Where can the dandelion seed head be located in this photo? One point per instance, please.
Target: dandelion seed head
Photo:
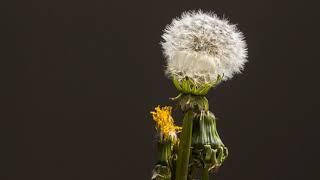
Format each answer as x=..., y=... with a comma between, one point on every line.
x=202, y=46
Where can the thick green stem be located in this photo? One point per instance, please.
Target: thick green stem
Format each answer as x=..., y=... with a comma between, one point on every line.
x=184, y=147
x=205, y=174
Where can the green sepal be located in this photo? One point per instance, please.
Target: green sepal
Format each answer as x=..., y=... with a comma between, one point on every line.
x=208, y=149
x=189, y=86
x=167, y=156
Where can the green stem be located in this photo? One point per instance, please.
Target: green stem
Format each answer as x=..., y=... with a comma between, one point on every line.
x=205, y=174
x=164, y=147
x=184, y=147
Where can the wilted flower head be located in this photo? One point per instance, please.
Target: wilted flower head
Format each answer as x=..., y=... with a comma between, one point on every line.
x=165, y=123
x=201, y=46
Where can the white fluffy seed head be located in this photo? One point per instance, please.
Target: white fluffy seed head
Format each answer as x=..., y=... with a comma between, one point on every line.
x=202, y=46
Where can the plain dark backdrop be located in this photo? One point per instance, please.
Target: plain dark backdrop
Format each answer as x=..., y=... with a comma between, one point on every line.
x=78, y=79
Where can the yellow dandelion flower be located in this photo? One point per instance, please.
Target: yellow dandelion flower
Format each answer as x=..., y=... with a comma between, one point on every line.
x=165, y=123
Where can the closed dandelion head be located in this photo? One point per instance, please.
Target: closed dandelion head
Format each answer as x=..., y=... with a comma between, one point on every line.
x=165, y=123
x=202, y=47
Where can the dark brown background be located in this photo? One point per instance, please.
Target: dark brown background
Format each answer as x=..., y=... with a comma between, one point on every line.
x=78, y=79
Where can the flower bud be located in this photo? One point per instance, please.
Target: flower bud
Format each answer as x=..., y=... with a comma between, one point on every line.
x=208, y=149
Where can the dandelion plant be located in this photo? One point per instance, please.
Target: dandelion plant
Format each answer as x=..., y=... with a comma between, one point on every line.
x=201, y=51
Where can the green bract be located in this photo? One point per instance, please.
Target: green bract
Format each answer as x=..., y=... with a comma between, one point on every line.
x=166, y=160
x=188, y=86
x=208, y=151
